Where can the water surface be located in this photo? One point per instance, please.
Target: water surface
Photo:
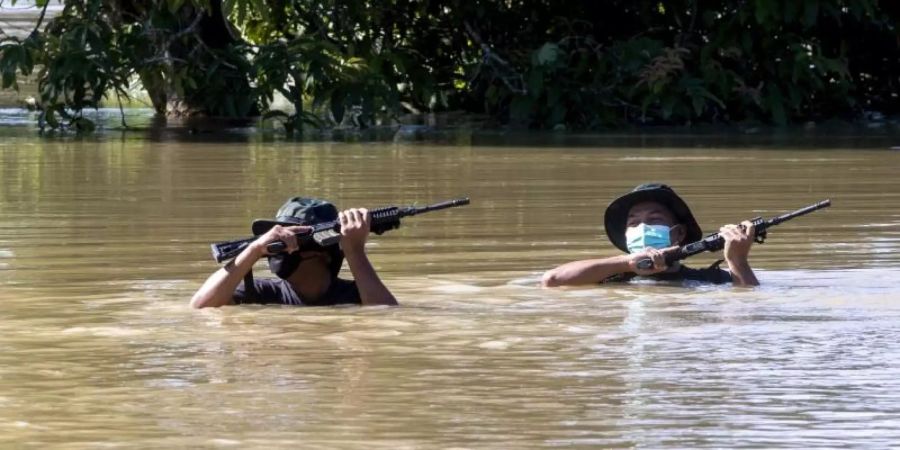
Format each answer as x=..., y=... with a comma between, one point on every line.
x=104, y=240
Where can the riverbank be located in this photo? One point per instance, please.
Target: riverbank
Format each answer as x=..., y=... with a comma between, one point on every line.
x=457, y=129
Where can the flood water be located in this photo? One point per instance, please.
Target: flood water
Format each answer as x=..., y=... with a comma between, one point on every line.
x=104, y=240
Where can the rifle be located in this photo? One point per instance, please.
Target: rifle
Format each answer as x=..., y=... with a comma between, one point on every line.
x=714, y=242
x=329, y=233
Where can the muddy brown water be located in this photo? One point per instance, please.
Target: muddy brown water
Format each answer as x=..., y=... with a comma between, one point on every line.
x=103, y=241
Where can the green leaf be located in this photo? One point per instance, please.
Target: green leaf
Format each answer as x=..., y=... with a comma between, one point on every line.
x=61, y=110
x=698, y=104
x=764, y=9
x=810, y=12
x=337, y=105
x=275, y=114
x=50, y=117
x=244, y=105
x=492, y=95
x=9, y=78
x=261, y=8
x=710, y=96
x=520, y=108
x=535, y=83
x=747, y=42
x=227, y=7
x=668, y=105
x=775, y=102
x=548, y=54
x=178, y=85
x=557, y=116
x=27, y=63
x=10, y=59
x=230, y=107
x=553, y=96
x=310, y=119
x=645, y=103
x=83, y=125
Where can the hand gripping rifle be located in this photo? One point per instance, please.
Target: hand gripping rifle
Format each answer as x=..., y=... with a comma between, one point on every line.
x=715, y=242
x=329, y=233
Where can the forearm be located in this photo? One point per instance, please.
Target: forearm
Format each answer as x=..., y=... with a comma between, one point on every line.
x=219, y=288
x=742, y=274
x=371, y=290
x=590, y=271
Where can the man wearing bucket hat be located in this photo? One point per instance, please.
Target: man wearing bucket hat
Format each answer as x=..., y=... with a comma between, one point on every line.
x=646, y=223
x=308, y=275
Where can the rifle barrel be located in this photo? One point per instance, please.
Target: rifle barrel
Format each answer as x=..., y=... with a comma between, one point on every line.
x=800, y=212
x=713, y=242
x=443, y=205
x=223, y=251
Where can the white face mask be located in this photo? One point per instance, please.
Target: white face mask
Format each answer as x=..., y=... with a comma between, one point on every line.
x=642, y=236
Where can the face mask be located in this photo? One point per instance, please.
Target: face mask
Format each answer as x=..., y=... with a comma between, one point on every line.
x=283, y=265
x=644, y=236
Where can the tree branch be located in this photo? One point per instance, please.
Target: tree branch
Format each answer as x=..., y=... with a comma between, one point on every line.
x=37, y=26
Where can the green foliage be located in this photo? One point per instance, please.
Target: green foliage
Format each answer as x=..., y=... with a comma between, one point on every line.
x=79, y=63
x=96, y=49
x=555, y=65
x=691, y=60
x=328, y=57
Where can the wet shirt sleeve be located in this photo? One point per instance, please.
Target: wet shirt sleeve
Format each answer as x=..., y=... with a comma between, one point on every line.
x=279, y=292
x=341, y=292
x=268, y=291
x=713, y=275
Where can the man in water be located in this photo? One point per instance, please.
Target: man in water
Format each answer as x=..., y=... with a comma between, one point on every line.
x=308, y=275
x=648, y=222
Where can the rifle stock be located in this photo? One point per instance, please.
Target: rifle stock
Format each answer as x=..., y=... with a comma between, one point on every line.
x=715, y=242
x=329, y=233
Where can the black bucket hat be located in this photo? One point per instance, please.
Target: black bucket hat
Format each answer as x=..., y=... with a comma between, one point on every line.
x=298, y=211
x=616, y=217
x=303, y=211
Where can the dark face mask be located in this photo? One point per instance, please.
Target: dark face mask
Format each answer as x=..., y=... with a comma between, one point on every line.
x=283, y=265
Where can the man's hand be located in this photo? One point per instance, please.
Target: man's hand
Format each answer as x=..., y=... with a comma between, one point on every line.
x=658, y=256
x=738, y=240
x=288, y=235
x=355, y=226
x=219, y=288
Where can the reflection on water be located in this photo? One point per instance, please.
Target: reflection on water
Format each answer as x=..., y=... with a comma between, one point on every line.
x=103, y=241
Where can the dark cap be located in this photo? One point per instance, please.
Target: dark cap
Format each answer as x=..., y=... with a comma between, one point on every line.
x=616, y=218
x=298, y=211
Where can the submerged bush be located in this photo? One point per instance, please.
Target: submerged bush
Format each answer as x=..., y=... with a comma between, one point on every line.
x=562, y=64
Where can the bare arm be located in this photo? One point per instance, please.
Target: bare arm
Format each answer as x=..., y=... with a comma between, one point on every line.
x=218, y=290
x=355, y=225
x=371, y=290
x=592, y=271
x=588, y=271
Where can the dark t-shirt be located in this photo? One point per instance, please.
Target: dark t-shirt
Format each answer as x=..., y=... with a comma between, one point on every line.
x=712, y=274
x=278, y=291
